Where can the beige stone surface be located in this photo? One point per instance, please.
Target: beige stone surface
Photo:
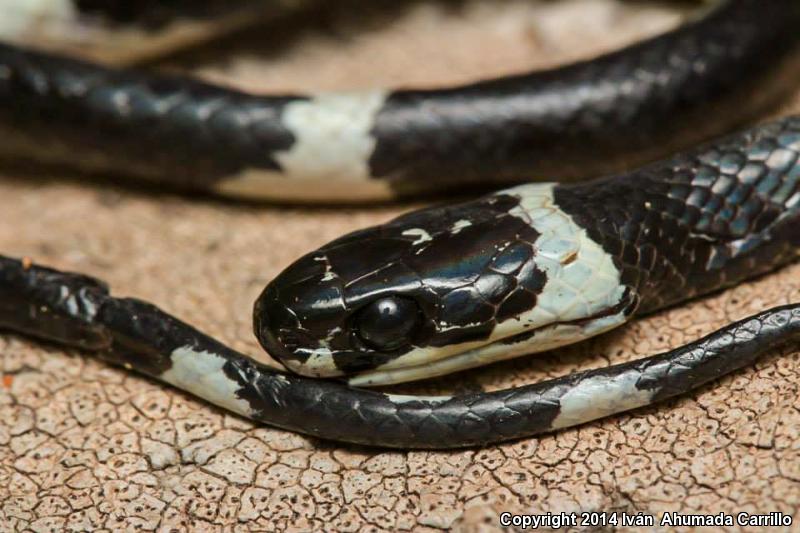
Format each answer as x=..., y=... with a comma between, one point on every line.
x=87, y=446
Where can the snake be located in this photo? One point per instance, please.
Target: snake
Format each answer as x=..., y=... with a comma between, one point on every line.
x=528, y=268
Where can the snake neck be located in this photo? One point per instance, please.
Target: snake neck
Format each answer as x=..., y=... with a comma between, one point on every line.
x=702, y=221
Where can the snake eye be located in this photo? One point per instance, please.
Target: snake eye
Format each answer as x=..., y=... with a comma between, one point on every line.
x=386, y=323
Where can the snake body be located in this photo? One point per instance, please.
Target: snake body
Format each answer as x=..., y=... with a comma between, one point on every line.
x=584, y=119
x=522, y=270
x=701, y=221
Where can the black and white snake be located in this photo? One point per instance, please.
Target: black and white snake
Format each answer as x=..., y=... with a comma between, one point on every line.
x=522, y=270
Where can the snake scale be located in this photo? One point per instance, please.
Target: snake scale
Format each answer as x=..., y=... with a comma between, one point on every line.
x=526, y=269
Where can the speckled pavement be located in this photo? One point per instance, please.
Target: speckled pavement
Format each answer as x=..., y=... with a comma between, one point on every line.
x=84, y=446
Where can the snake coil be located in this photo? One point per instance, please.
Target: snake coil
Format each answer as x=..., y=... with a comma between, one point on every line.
x=522, y=270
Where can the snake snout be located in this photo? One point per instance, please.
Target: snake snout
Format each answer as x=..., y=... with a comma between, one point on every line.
x=304, y=320
x=280, y=322
x=268, y=320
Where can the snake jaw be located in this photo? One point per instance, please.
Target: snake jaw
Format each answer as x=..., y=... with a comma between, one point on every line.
x=533, y=341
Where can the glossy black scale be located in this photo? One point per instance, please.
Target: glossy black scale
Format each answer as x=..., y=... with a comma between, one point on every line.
x=705, y=220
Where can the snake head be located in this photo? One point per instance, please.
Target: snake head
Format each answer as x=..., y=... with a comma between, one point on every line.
x=441, y=289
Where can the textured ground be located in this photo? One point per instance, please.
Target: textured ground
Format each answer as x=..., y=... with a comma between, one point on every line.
x=86, y=446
